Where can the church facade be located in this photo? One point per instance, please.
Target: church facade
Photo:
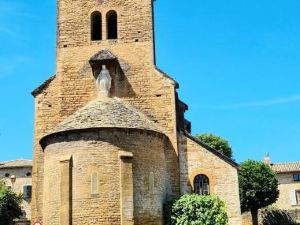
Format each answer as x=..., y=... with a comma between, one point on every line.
x=111, y=142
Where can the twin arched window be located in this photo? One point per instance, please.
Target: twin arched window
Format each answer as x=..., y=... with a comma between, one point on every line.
x=96, y=26
x=111, y=25
x=201, y=185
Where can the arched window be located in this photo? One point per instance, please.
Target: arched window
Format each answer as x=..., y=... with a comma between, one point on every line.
x=96, y=26
x=201, y=185
x=112, y=25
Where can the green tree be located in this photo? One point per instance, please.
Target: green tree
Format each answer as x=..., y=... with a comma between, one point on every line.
x=258, y=187
x=217, y=143
x=198, y=210
x=9, y=205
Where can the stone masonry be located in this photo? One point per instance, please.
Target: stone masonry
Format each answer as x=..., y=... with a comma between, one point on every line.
x=115, y=160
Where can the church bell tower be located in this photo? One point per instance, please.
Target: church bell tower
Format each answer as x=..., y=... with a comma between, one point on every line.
x=105, y=24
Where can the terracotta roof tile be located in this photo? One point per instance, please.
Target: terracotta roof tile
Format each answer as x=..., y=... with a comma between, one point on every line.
x=286, y=167
x=16, y=163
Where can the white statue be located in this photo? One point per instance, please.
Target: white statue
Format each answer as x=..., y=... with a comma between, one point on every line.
x=103, y=82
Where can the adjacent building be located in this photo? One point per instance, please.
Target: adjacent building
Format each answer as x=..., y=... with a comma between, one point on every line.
x=17, y=176
x=112, y=144
x=288, y=175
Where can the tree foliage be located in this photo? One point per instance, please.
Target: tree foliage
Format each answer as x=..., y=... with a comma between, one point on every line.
x=272, y=216
x=9, y=205
x=258, y=187
x=217, y=143
x=198, y=210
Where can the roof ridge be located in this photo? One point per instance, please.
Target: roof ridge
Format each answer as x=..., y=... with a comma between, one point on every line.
x=15, y=160
x=282, y=163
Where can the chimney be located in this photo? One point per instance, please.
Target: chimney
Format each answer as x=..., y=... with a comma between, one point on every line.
x=267, y=159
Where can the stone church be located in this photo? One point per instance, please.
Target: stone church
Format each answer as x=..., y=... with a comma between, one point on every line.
x=111, y=142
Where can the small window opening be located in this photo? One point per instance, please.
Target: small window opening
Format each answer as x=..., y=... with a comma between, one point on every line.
x=112, y=25
x=94, y=184
x=151, y=182
x=96, y=26
x=296, y=177
x=27, y=191
x=7, y=175
x=28, y=174
x=201, y=185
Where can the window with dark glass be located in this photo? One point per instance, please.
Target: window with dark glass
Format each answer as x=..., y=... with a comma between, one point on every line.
x=112, y=25
x=96, y=26
x=201, y=185
x=296, y=177
x=27, y=191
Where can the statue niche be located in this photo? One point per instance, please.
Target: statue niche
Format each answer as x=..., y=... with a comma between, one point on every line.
x=106, y=67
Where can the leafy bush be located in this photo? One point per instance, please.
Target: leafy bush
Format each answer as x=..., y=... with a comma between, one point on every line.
x=9, y=205
x=197, y=210
x=276, y=217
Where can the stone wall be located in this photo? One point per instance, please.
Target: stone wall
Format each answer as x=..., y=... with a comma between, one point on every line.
x=286, y=185
x=73, y=87
x=223, y=178
x=23, y=177
x=99, y=152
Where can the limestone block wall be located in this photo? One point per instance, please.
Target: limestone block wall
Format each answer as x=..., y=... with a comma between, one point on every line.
x=23, y=177
x=286, y=186
x=47, y=104
x=99, y=152
x=223, y=178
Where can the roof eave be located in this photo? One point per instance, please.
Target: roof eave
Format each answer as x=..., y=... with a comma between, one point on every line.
x=43, y=86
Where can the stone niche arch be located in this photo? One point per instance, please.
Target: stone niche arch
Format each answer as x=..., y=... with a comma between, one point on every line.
x=120, y=86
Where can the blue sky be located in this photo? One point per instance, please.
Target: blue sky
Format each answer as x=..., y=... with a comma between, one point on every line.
x=237, y=62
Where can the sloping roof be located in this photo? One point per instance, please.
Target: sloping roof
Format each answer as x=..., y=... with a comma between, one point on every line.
x=215, y=152
x=16, y=164
x=44, y=85
x=286, y=167
x=106, y=113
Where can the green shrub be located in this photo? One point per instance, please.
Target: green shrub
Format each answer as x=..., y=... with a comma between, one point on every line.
x=9, y=205
x=197, y=210
x=276, y=217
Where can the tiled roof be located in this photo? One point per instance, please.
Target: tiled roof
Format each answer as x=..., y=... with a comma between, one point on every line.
x=16, y=163
x=106, y=113
x=286, y=167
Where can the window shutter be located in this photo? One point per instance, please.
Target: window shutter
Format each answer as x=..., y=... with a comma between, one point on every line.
x=293, y=198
